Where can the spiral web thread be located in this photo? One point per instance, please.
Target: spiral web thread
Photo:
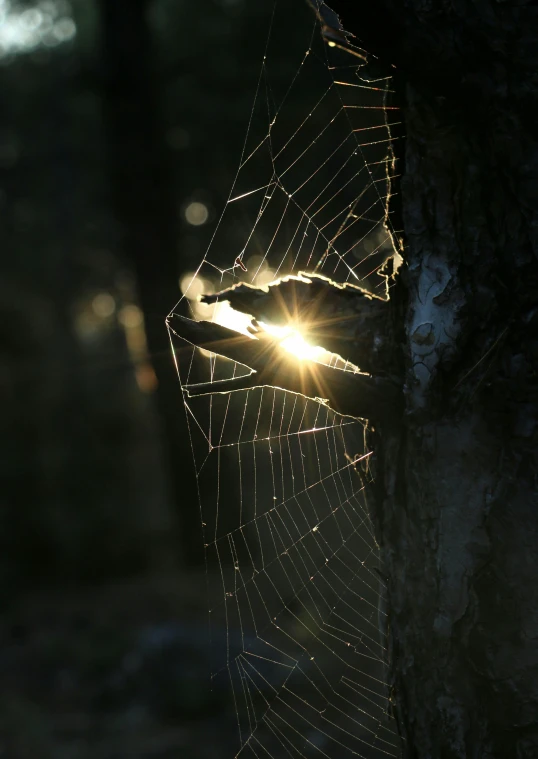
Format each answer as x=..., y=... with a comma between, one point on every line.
x=295, y=584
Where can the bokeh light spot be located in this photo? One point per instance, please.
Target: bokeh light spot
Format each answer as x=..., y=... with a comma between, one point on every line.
x=192, y=286
x=264, y=277
x=130, y=317
x=103, y=305
x=196, y=214
x=64, y=29
x=23, y=30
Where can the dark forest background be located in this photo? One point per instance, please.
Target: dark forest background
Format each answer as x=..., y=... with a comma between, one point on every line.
x=121, y=123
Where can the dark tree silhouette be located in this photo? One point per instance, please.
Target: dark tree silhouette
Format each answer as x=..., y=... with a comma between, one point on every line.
x=457, y=501
x=144, y=206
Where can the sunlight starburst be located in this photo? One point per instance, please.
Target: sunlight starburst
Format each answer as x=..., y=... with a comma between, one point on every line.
x=292, y=341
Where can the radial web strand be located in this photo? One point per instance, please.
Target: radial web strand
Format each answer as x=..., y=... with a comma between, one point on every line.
x=296, y=590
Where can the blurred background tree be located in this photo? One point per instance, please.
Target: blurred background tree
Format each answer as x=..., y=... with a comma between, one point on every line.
x=113, y=169
x=120, y=128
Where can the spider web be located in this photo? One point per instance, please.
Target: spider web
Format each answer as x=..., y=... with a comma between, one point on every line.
x=297, y=614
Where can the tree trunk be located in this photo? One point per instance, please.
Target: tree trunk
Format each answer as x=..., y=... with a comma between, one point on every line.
x=143, y=201
x=457, y=504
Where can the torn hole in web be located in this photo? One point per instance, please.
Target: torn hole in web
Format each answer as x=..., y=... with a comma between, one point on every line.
x=307, y=314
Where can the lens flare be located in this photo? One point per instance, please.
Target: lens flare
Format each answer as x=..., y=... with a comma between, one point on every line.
x=289, y=337
x=292, y=341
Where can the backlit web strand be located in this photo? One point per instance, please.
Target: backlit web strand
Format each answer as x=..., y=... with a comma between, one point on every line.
x=295, y=591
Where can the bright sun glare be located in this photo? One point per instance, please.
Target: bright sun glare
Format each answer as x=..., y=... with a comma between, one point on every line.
x=222, y=313
x=294, y=342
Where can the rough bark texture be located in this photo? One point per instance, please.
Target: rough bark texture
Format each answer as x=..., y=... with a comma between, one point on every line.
x=457, y=505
